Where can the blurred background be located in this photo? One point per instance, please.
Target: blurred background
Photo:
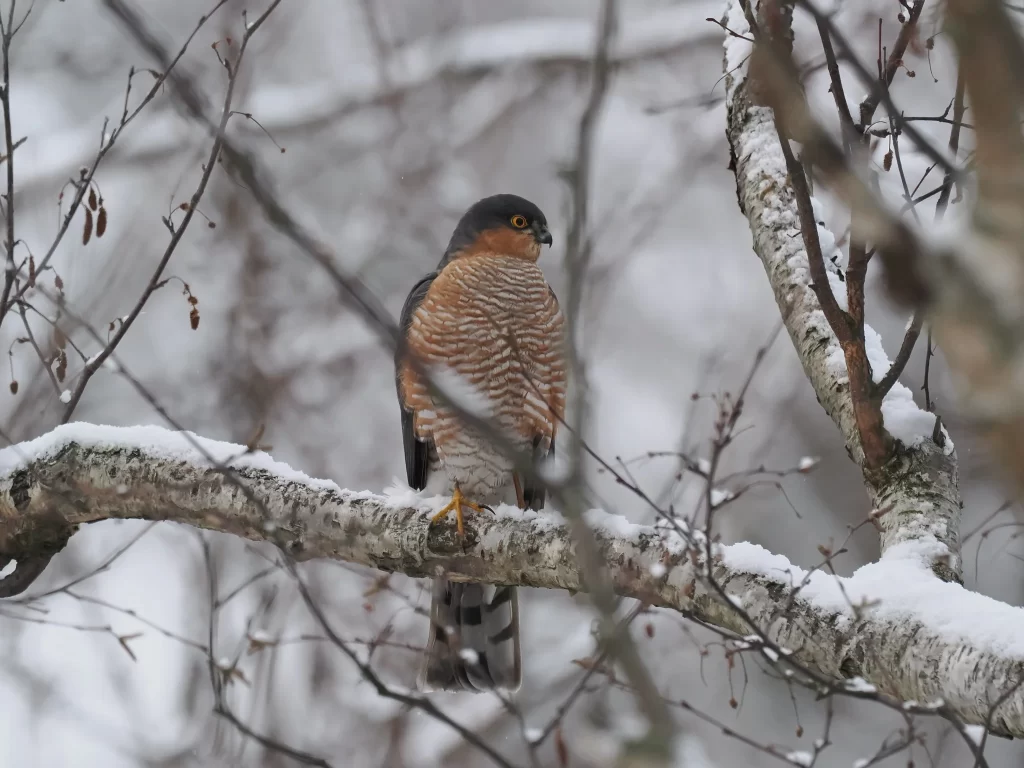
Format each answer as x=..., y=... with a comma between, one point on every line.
x=386, y=120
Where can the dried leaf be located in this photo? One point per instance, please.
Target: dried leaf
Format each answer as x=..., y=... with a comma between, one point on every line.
x=101, y=222
x=92, y=199
x=58, y=283
x=87, y=232
x=257, y=644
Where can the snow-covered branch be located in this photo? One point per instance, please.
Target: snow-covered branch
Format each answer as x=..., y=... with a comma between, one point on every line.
x=915, y=492
x=926, y=642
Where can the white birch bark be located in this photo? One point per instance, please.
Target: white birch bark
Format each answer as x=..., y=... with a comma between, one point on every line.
x=917, y=488
x=907, y=651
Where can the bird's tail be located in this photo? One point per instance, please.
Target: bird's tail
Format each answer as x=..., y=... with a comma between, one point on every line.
x=474, y=638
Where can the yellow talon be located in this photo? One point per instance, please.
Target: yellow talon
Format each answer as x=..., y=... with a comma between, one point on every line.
x=457, y=503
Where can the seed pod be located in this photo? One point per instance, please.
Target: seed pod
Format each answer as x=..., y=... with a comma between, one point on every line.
x=92, y=198
x=87, y=232
x=101, y=222
x=14, y=387
x=62, y=365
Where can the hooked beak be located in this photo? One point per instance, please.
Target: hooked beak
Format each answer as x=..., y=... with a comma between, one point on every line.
x=542, y=234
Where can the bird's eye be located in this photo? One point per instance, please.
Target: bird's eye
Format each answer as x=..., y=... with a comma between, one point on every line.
x=518, y=221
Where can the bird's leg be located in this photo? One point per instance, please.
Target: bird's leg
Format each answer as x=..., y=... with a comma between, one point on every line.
x=457, y=503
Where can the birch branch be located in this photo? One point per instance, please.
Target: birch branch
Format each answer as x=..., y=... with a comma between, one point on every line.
x=915, y=493
x=906, y=634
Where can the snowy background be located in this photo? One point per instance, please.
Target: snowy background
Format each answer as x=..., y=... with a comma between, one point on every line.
x=395, y=117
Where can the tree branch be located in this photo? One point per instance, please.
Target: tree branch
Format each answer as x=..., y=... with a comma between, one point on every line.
x=915, y=492
x=907, y=634
x=892, y=64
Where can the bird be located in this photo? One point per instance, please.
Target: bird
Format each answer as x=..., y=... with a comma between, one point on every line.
x=486, y=321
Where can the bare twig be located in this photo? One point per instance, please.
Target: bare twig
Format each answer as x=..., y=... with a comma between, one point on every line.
x=892, y=64
x=902, y=357
x=6, y=34
x=178, y=232
x=107, y=143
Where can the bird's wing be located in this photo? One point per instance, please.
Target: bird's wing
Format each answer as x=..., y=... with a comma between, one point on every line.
x=417, y=452
x=554, y=385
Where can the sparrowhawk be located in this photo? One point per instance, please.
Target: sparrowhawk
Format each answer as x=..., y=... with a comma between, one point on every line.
x=487, y=319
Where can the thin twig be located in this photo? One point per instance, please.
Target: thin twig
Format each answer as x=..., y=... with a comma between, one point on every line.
x=6, y=33
x=879, y=90
x=902, y=357
x=892, y=64
x=155, y=282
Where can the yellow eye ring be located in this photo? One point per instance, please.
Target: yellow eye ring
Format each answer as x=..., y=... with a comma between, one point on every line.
x=518, y=221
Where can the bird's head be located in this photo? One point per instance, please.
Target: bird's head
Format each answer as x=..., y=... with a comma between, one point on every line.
x=500, y=224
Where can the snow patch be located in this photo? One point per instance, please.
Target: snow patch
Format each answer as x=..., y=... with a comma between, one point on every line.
x=859, y=685
x=899, y=588
x=737, y=49
x=719, y=496
x=156, y=441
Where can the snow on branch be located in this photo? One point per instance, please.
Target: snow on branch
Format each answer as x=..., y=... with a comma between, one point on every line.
x=915, y=493
x=891, y=628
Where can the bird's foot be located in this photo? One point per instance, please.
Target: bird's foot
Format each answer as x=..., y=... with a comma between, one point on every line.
x=458, y=503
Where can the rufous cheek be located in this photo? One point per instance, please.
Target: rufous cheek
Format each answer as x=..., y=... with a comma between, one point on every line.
x=504, y=242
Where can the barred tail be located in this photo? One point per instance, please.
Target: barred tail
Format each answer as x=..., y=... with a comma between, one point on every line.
x=474, y=638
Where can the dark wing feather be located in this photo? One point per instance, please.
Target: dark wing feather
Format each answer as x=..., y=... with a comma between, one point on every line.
x=534, y=493
x=417, y=452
